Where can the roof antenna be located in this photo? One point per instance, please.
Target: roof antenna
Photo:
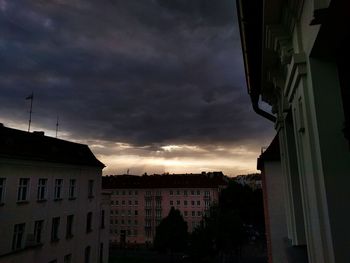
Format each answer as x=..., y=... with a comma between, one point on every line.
x=30, y=97
x=57, y=126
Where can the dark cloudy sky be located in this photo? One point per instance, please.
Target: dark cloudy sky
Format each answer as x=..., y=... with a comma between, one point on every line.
x=150, y=85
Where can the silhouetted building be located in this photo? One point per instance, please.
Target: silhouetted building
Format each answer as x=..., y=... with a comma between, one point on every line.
x=51, y=206
x=138, y=203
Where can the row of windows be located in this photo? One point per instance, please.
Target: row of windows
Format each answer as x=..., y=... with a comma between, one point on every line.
x=128, y=232
x=23, y=189
x=185, y=202
x=159, y=193
x=123, y=202
x=19, y=230
x=125, y=192
x=124, y=222
x=123, y=212
x=187, y=192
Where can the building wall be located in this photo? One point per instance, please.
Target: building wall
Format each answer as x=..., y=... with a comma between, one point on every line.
x=275, y=217
x=152, y=205
x=310, y=91
x=13, y=212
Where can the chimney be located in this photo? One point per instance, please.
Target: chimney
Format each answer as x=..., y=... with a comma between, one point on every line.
x=41, y=133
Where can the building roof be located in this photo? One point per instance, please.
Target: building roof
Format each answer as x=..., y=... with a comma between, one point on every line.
x=204, y=180
x=35, y=146
x=272, y=153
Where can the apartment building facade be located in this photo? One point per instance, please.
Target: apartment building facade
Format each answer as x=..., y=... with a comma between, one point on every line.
x=296, y=56
x=51, y=206
x=139, y=203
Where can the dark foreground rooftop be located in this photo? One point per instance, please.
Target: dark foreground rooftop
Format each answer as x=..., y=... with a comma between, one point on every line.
x=35, y=146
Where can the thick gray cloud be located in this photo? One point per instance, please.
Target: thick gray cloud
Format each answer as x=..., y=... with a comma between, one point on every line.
x=147, y=73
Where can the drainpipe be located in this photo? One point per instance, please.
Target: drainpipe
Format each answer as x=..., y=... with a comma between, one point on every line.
x=255, y=102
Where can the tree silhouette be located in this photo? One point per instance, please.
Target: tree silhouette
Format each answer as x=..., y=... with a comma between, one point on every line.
x=171, y=234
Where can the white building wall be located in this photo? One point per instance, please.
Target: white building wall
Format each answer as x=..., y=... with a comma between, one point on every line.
x=12, y=212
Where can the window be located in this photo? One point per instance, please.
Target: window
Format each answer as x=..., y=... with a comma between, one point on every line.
x=103, y=218
x=89, y=222
x=207, y=193
x=116, y=221
x=87, y=254
x=198, y=192
x=116, y=212
x=69, y=226
x=192, y=192
x=135, y=222
x=101, y=252
x=148, y=203
x=72, y=186
x=91, y=188
x=171, y=192
x=112, y=202
x=116, y=192
x=128, y=232
x=148, y=212
x=192, y=203
x=136, y=192
x=193, y=213
x=136, y=212
x=67, y=258
x=130, y=192
x=178, y=192
x=129, y=222
x=136, y=202
x=22, y=194
x=148, y=193
x=130, y=202
x=116, y=202
x=41, y=194
x=18, y=233
x=38, y=227
x=185, y=202
x=178, y=202
x=135, y=232
x=158, y=203
x=129, y=212
x=185, y=213
x=198, y=203
x=58, y=189
x=206, y=204
x=158, y=213
x=148, y=223
x=2, y=189
x=123, y=192
x=123, y=202
x=54, y=229
x=199, y=213
x=185, y=192
x=171, y=202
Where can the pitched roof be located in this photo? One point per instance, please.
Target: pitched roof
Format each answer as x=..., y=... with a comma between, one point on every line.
x=272, y=153
x=204, y=180
x=34, y=146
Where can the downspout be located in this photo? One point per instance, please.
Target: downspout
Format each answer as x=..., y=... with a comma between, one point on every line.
x=255, y=103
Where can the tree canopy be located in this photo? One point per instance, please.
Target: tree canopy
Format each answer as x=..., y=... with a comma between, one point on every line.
x=171, y=234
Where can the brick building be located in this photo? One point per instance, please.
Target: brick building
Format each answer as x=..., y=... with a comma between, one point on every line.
x=138, y=203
